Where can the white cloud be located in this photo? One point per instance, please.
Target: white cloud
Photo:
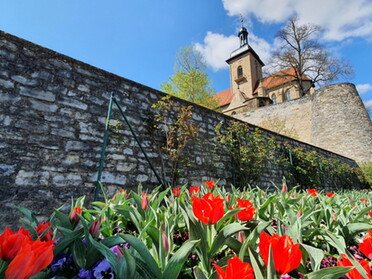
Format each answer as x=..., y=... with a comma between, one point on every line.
x=363, y=88
x=340, y=19
x=216, y=48
x=368, y=105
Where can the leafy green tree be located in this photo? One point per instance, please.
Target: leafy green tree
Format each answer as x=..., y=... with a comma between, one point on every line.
x=190, y=81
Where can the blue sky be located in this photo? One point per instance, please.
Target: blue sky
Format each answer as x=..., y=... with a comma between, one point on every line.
x=139, y=39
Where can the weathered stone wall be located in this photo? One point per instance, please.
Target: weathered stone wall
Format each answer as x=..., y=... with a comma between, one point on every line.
x=294, y=115
x=333, y=118
x=53, y=112
x=340, y=122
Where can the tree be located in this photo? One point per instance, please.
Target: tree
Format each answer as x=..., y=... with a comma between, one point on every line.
x=300, y=50
x=190, y=81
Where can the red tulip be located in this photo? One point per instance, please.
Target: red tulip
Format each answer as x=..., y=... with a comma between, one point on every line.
x=287, y=255
x=208, y=209
x=32, y=258
x=366, y=246
x=176, y=192
x=209, y=183
x=284, y=188
x=330, y=195
x=236, y=269
x=354, y=273
x=370, y=213
x=364, y=200
x=312, y=192
x=194, y=190
x=248, y=212
x=41, y=228
x=95, y=228
x=11, y=243
x=74, y=214
x=144, y=201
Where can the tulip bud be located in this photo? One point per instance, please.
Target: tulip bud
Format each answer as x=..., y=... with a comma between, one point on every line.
x=299, y=213
x=284, y=188
x=74, y=214
x=144, y=202
x=165, y=242
x=95, y=228
x=176, y=192
x=241, y=237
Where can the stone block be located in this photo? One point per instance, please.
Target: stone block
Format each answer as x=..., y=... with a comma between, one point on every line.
x=37, y=94
x=25, y=81
x=74, y=104
x=40, y=106
x=6, y=84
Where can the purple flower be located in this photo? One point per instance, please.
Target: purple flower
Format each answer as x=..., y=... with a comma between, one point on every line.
x=103, y=270
x=85, y=274
x=60, y=261
x=285, y=276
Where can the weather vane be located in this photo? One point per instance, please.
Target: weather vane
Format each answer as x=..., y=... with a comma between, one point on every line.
x=241, y=19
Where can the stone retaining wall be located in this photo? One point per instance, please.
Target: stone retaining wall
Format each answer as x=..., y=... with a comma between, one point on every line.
x=53, y=112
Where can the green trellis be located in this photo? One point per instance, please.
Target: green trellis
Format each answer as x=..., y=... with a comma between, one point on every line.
x=113, y=101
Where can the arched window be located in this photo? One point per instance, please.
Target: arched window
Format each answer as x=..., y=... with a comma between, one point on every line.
x=287, y=95
x=273, y=98
x=240, y=72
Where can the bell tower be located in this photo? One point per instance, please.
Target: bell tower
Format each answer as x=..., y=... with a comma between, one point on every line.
x=245, y=67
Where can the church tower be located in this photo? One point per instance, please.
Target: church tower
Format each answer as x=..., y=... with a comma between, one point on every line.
x=245, y=68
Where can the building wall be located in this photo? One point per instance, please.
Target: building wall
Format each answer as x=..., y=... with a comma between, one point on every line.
x=52, y=115
x=333, y=118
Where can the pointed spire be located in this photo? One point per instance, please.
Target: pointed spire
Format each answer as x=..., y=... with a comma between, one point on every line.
x=243, y=33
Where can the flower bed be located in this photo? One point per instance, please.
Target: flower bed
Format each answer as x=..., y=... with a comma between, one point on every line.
x=198, y=232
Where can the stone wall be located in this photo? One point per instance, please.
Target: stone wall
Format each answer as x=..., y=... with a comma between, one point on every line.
x=53, y=113
x=333, y=118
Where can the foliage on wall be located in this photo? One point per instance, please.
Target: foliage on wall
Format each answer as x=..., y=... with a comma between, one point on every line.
x=178, y=132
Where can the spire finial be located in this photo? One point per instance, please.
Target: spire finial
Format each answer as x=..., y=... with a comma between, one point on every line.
x=241, y=19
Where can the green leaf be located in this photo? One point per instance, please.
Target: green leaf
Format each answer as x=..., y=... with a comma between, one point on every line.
x=64, y=220
x=229, y=214
x=199, y=274
x=352, y=229
x=138, y=245
x=79, y=252
x=29, y=215
x=176, y=262
x=271, y=272
x=316, y=255
x=257, y=267
x=329, y=273
x=42, y=275
x=226, y=232
x=130, y=264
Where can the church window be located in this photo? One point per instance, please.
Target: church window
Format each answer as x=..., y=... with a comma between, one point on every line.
x=288, y=95
x=273, y=98
x=240, y=72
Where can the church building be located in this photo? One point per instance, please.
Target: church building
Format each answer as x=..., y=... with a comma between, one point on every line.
x=248, y=89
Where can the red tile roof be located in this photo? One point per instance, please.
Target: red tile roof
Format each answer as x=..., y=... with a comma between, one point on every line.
x=224, y=97
x=281, y=78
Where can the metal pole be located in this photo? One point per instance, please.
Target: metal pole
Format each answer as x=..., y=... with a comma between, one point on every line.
x=137, y=140
x=103, y=147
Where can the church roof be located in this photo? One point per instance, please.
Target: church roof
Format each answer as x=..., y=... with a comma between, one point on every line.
x=280, y=78
x=224, y=97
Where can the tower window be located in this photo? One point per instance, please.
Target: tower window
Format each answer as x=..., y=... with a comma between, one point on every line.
x=240, y=72
x=273, y=98
x=287, y=95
